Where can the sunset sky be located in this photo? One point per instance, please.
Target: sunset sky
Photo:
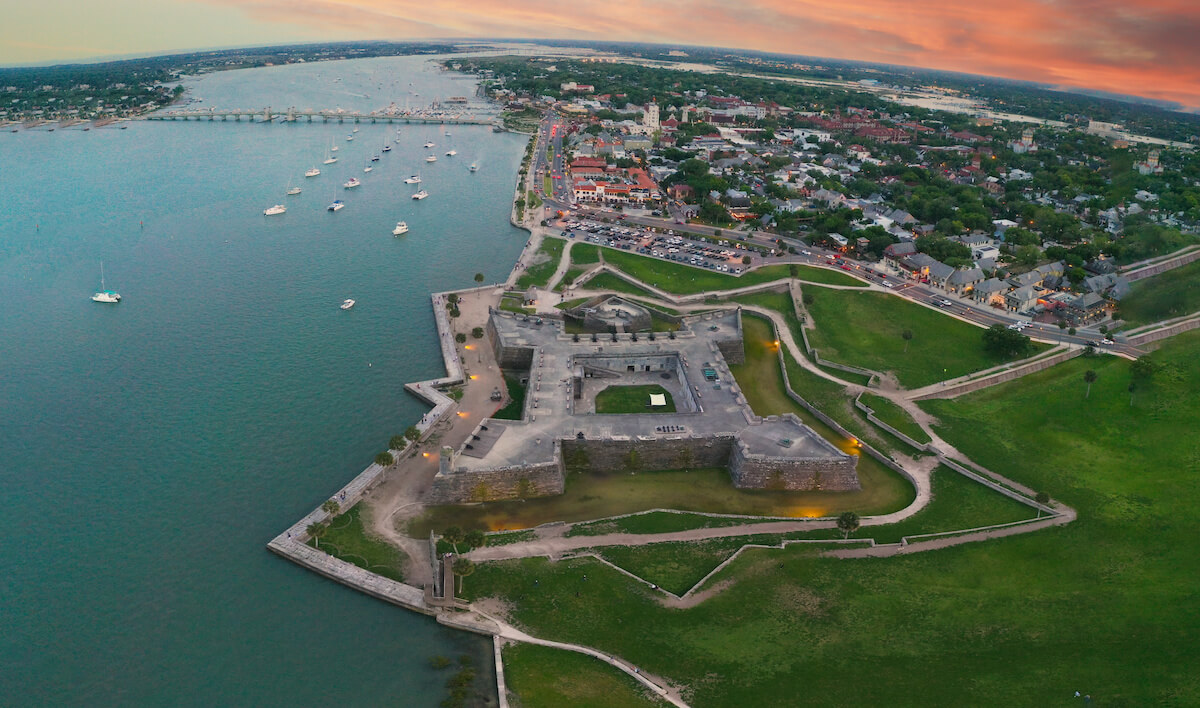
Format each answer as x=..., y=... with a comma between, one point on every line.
x=1147, y=48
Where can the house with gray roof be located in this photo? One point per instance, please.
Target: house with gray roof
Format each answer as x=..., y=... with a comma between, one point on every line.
x=990, y=291
x=961, y=281
x=1021, y=299
x=939, y=274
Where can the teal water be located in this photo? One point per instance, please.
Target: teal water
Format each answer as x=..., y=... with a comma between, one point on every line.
x=149, y=450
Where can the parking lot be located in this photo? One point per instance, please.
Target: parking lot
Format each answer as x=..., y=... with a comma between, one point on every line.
x=696, y=251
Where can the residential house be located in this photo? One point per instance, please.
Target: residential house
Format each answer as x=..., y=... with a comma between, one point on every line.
x=940, y=273
x=1087, y=307
x=1021, y=299
x=895, y=253
x=990, y=292
x=963, y=281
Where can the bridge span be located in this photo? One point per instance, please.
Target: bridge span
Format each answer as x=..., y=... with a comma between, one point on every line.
x=293, y=115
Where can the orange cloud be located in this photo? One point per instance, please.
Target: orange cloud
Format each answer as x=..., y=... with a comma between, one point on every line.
x=1146, y=49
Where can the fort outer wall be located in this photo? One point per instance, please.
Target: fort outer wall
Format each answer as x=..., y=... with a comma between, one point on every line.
x=546, y=479
x=627, y=454
x=824, y=474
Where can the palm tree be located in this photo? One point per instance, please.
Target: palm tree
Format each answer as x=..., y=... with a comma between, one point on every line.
x=848, y=523
x=1089, y=378
x=316, y=531
x=331, y=507
x=475, y=539
x=453, y=536
x=462, y=568
x=906, y=335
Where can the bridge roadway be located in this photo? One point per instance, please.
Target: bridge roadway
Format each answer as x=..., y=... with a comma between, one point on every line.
x=292, y=115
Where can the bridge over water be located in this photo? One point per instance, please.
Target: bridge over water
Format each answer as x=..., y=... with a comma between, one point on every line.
x=293, y=115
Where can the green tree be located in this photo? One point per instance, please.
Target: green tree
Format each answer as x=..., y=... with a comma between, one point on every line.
x=331, y=507
x=847, y=523
x=907, y=336
x=453, y=536
x=397, y=442
x=462, y=568
x=385, y=458
x=460, y=338
x=1089, y=377
x=1142, y=368
x=477, y=332
x=479, y=277
x=315, y=531
x=413, y=433
x=745, y=260
x=1005, y=342
x=475, y=538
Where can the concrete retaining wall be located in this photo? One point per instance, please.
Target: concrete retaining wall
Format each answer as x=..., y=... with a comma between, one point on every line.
x=992, y=380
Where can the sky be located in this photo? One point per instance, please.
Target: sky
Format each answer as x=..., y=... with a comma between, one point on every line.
x=1137, y=47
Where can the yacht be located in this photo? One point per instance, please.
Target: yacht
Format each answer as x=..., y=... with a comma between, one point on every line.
x=349, y=138
x=431, y=158
x=355, y=130
x=451, y=153
x=293, y=191
x=351, y=183
x=374, y=158
x=429, y=145
x=474, y=167
x=420, y=195
x=347, y=304
x=387, y=148
x=272, y=211
x=333, y=148
x=401, y=229
x=312, y=172
x=330, y=160
x=336, y=206
x=105, y=295
x=415, y=179
x=368, y=168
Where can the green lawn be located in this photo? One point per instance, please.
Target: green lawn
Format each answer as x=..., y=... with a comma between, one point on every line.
x=685, y=280
x=652, y=522
x=346, y=539
x=585, y=254
x=544, y=677
x=546, y=262
x=608, y=281
x=864, y=329
x=895, y=416
x=1105, y=605
x=1167, y=295
x=514, y=409
x=617, y=400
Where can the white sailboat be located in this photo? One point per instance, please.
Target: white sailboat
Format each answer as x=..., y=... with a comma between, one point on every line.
x=474, y=167
x=431, y=158
x=347, y=304
x=105, y=295
x=329, y=158
x=351, y=183
x=451, y=152
x=420, y=195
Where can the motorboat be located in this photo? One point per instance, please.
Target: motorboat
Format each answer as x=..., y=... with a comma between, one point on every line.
x=374, y=158
x=428, y=145
x=415, y=179
x=368, y=168
x=387, y=148
x=333, y=148
x=347, y=304
x=349, y=138
x=351, y=183
x=474, y=167
x=336, y=206
x=355, y=130
x=431, y=158
x=451, y=153
x=420, y=195
x=312, y=172
x=272, y=211
x=105, y=295
x=293, y=191
x=401, y=229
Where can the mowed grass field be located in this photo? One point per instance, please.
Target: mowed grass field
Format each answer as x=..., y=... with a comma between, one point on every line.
x=1105, y=605
x=546, y=260
x=1162, y=297
x=865, y=329
x=545, y=677
x=680, y=279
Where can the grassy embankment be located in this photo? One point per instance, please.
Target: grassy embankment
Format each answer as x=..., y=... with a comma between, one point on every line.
x=545, y=262
x=865, y=330
x=1165, y=296
x=1104, y=605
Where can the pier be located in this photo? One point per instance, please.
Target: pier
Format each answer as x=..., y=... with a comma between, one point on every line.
x=294, y=115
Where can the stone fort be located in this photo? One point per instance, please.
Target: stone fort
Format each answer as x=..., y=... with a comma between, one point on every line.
x=712, y=425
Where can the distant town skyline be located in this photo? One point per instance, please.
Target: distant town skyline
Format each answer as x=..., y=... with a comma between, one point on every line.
x=1144, y=49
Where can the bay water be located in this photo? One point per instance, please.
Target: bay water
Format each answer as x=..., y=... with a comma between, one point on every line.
x=150, y=449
